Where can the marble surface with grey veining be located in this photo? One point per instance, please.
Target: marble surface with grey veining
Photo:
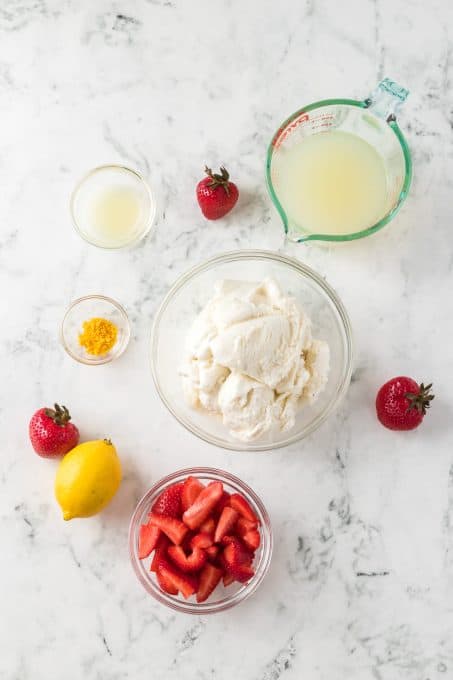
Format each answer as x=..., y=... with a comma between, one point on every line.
x=360, y=586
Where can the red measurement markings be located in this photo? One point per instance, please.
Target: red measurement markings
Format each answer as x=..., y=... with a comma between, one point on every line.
x=283, y=132
x=323, y=120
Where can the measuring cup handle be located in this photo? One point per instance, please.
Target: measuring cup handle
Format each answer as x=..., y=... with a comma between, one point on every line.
x=387, y=99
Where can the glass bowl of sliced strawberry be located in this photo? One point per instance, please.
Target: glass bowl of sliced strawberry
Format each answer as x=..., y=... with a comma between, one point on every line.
x=200, y=541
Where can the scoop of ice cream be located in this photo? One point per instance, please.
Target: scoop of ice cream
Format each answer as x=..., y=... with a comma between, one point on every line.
x=263, y=348
x=247, y=406
x=317, y=359
x=251, y=358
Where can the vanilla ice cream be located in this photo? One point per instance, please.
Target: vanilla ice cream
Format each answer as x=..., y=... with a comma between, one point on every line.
x=251, y=358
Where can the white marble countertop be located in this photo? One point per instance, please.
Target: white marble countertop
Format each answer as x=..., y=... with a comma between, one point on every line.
x=361, y=579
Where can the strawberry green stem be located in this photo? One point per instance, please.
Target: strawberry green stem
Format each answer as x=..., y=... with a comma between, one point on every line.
x=59, y=414
x=219, y=180
x=422, y=400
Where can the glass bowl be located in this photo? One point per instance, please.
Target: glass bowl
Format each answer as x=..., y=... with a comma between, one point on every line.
x=186, y=299
x=222, y=598
x=86, y=308
x=115, y=178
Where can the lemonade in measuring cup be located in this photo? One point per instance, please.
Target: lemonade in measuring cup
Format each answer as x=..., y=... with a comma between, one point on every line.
x=338, y=170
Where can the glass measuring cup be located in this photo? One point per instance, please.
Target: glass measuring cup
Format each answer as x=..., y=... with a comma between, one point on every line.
x=374, y=121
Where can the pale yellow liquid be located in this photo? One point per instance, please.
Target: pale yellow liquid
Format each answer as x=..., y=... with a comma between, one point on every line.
x=331, y=183
x=116, y=215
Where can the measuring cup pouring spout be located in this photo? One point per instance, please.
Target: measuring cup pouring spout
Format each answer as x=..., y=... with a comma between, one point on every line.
x=386, y=100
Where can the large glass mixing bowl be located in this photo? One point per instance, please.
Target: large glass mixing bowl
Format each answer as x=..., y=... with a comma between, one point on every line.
x=192, y=291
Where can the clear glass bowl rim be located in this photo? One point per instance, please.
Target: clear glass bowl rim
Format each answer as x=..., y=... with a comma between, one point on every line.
x=122, y=347
x=192, y=607
x=363, y=104
x=303, y=269
x=139, y=176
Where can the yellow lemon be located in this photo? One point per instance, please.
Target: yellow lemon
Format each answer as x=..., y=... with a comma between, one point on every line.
x=87, y=479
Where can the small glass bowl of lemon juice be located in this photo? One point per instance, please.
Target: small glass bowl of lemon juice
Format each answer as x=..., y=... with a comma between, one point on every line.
x=113, y=207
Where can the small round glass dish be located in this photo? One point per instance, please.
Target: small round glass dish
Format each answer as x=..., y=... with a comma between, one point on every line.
x=192, y=291
x=223, y=597
x=113, y=207
x=84, y=309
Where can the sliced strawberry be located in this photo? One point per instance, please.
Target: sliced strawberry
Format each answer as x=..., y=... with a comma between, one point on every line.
x=160, y=554
x=208, y=527
x=252, y=554
x=212, y=552
x=252, y=539
x=165, y=583
x=243, y=573
x=187, y=540
x=187, y=563
x=226, y=540
x=226, y=522
x=243, y=507
x=191, y=489
x=236, y=559
x=168, y=503
x=147, y=540
x=173, y=528
x=224, y=500
x=243, y=525
x=161, y=560
x=201, y=541
x=186, y=584
x=209, y=578
x=227, y=579
x=244, y=554
x=201, y=509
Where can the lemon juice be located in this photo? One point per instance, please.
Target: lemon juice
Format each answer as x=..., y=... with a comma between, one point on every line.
x=115, y=214
x=113, y=206
x=333, y=183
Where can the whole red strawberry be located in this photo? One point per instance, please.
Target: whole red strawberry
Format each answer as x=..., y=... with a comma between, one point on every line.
x=51, y=433
x=401, y=403
x=216, y=195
